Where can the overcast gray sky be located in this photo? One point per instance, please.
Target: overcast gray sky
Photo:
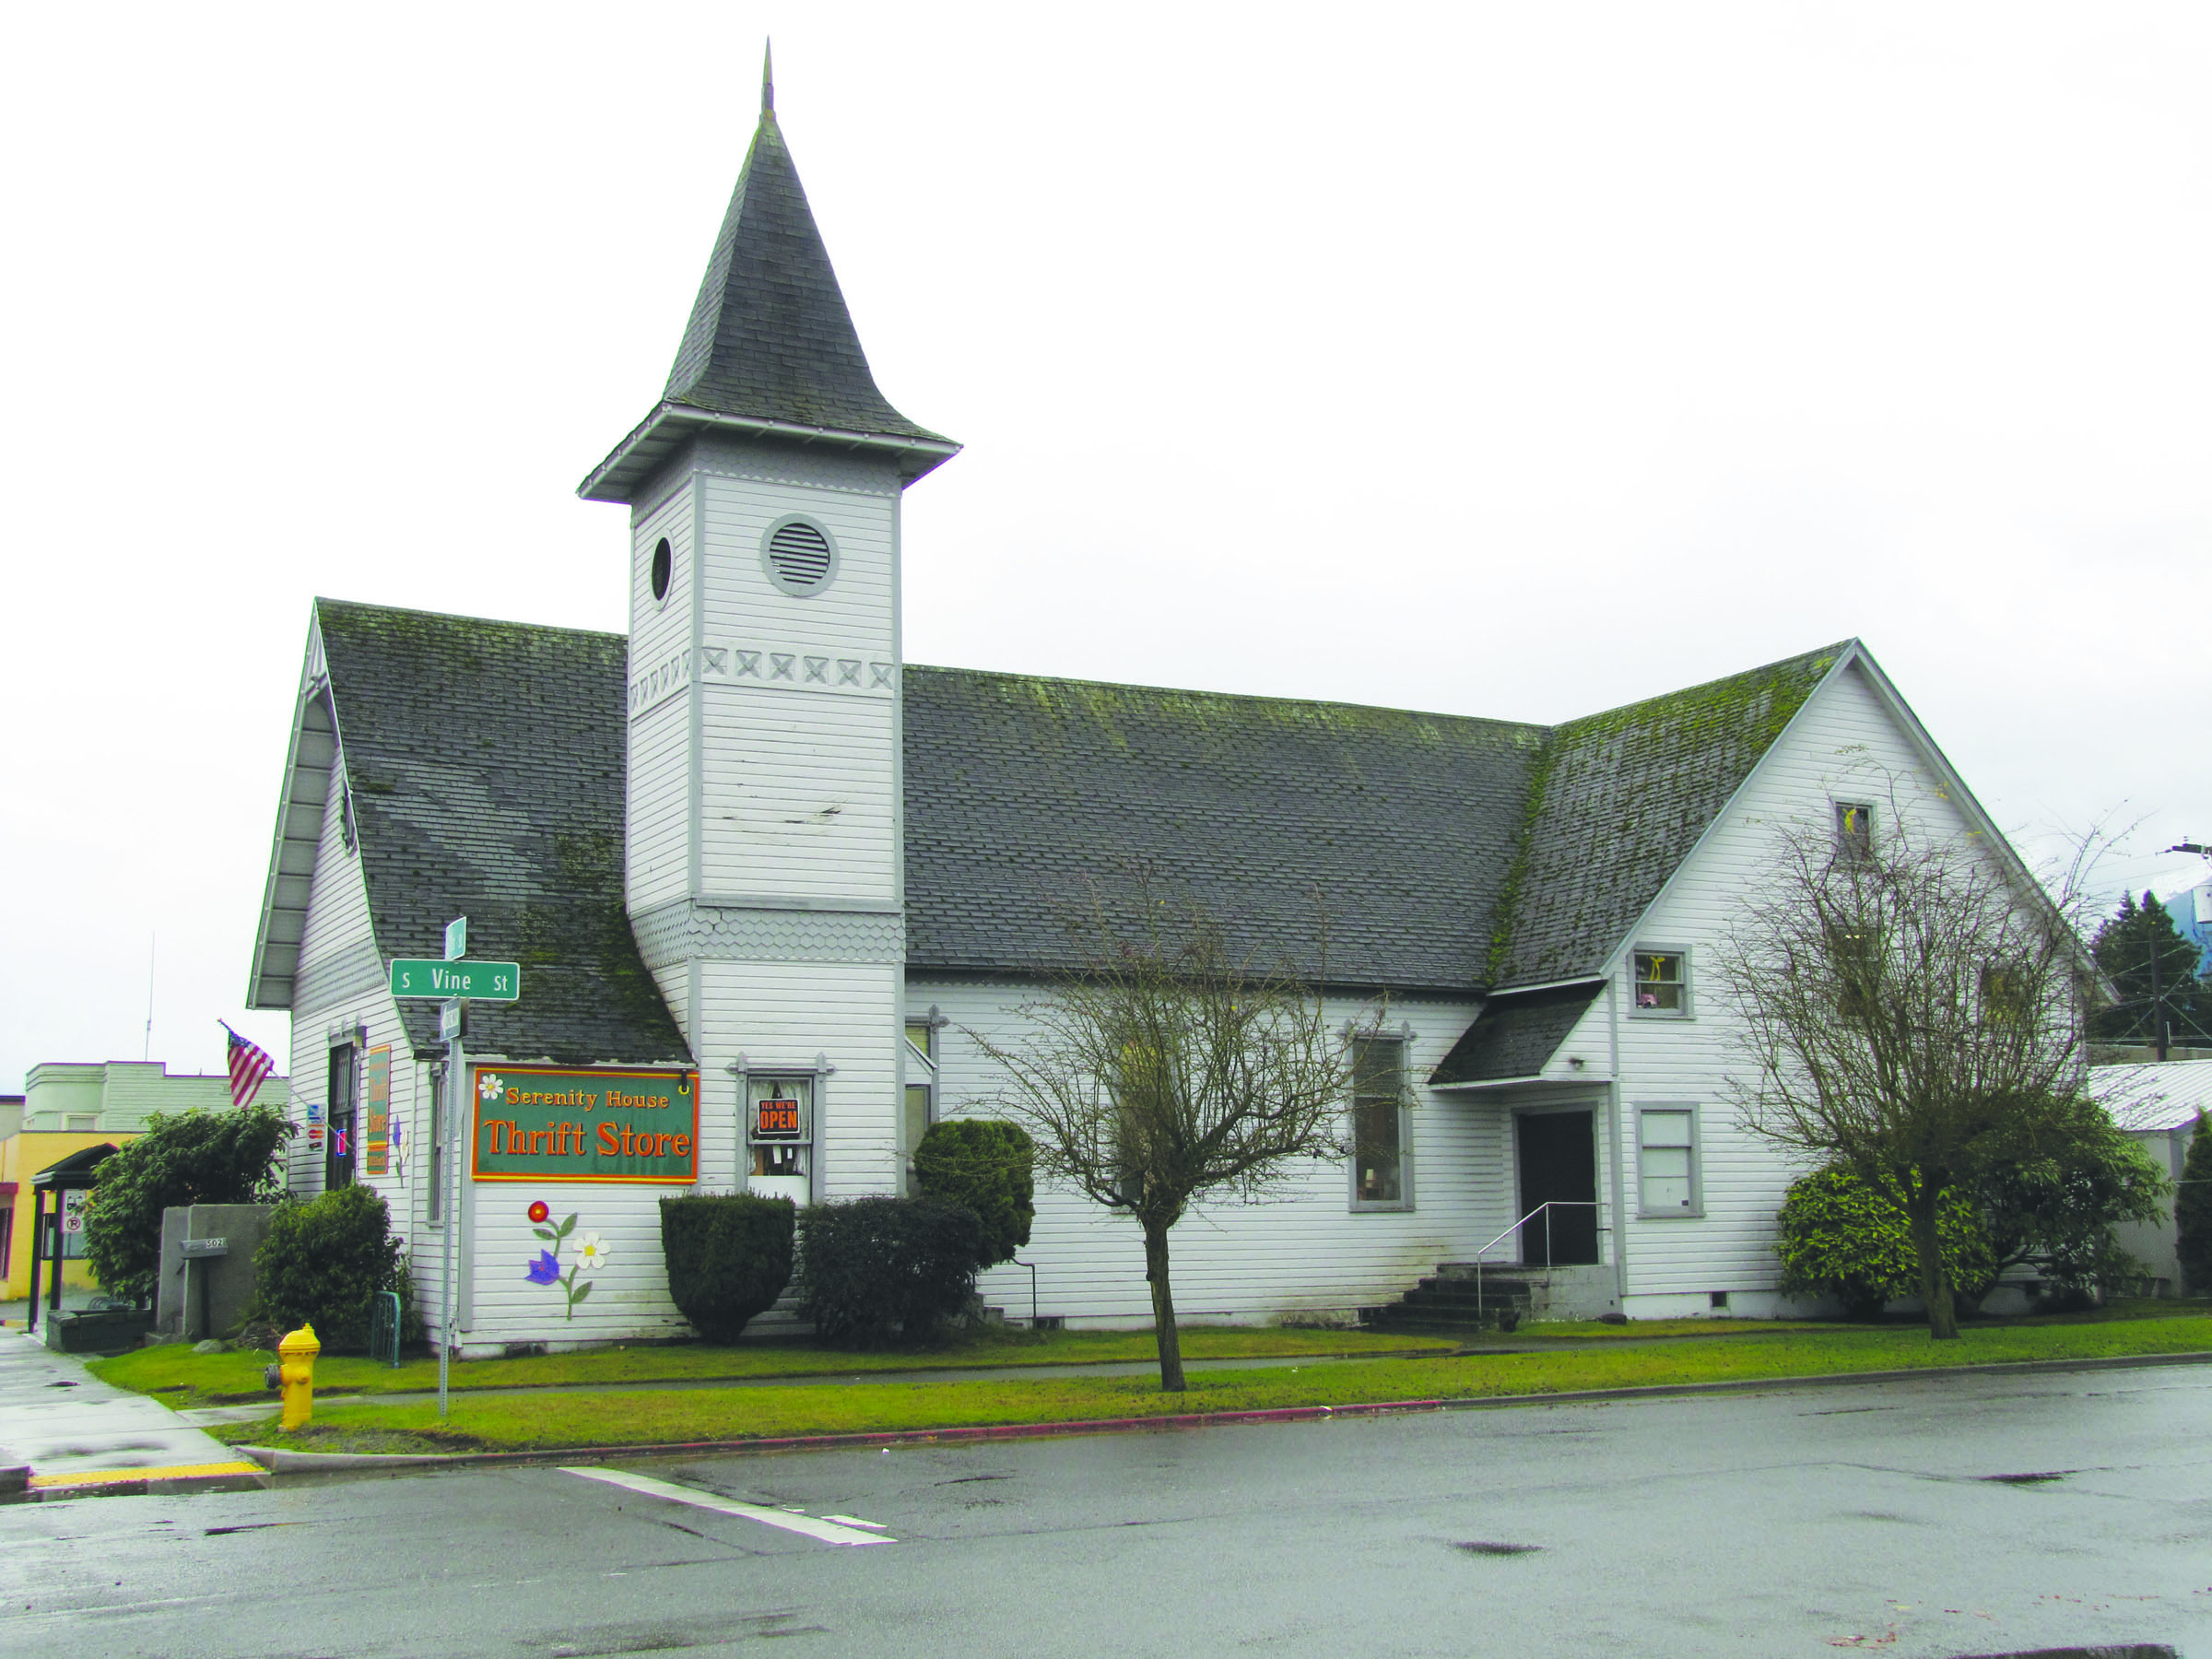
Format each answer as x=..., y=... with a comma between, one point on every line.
x=1500, y=359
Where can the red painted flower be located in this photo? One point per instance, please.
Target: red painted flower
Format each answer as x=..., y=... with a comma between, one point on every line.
x=539, y=1211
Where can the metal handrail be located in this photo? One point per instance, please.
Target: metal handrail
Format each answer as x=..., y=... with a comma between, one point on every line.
x=1542, y=1209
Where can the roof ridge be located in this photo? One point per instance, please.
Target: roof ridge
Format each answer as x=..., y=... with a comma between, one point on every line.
x=1242, y=696
x=408, y=610
x=1829, y=652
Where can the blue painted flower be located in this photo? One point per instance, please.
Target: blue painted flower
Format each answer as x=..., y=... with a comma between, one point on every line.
x=546, y=1270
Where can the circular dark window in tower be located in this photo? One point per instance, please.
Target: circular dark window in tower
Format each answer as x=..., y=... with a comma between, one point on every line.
x=664, y=566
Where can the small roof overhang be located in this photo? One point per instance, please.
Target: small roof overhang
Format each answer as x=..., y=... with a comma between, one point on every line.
x=74, y=1173
x=640, y=456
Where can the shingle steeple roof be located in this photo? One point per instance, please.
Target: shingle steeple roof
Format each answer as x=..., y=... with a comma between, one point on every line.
x=770, y=350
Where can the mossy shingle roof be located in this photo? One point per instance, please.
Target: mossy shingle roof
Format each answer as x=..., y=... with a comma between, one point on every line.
x=485, y=761
x=1387, y=848
x=1616, y=803
x=1372, y=838
x=769, y=335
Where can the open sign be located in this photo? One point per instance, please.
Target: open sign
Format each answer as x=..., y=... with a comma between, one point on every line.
x=776, y=1120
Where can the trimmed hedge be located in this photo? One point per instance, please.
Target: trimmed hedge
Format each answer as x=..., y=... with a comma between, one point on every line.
x=1840, y=1238
x=878, y=1270
x=322, y=1262
x=729, y=1258
x=985, y=1165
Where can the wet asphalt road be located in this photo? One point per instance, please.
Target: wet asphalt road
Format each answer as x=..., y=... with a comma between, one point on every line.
x=1892, y=1517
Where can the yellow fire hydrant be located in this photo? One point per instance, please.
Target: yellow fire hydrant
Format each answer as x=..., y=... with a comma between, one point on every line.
x=296, y=1374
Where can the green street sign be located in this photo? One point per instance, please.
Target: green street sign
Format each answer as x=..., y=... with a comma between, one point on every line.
x=482, y=981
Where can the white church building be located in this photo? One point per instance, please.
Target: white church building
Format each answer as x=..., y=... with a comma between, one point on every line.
x=763, y=877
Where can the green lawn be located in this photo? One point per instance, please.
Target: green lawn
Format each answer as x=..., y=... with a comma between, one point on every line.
x=639, y=1417
x=182, y=1377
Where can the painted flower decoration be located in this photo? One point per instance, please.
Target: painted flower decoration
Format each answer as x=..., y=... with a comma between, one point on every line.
x=538, y=1212
x=591, y=1252
x=546, y=1270
x=489, y=1085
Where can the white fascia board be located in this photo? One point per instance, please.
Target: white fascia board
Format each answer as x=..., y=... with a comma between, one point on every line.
x=670, y=423
x=313, y=684
x=1852, y=651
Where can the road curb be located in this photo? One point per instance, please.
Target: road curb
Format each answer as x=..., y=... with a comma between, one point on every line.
x=282, y=1461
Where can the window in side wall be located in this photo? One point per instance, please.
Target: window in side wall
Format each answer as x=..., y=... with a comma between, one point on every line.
x=2004, y=994
x=920, y=1082
x=1855, y=831
x=1663, y=985
x=435, y=1197
x=1666, y=1162
x=338, y=1149
x=1379, y=1123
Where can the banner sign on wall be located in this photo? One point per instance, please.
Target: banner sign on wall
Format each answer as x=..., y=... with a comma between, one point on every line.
x=376, y=1097
x=537, y=1122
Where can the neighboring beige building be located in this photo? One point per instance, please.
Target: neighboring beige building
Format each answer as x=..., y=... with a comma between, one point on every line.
x=67, y=1107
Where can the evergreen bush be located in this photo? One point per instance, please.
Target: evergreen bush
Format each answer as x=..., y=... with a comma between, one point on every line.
x=184, y=1158
x=986, y=1165
x=325, y=1261
x=877, y=1270
x=2193, y=1211
x=729, y=1258
x=1840, y=1237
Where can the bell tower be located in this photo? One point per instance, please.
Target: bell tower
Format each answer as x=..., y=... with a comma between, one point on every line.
x=765, y=854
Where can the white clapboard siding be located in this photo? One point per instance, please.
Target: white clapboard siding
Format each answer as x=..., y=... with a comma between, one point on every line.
x=855, y=615
x=659, y=806
x=798, y=799
x=342, y=992
x=777, y=1014
x=660, y=628
x=628, y=1301
x=1305, y=1251
x=1843, y=744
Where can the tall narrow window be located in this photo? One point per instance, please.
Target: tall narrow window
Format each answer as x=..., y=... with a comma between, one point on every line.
x=1666, y=1160
x=1855, y=831
x=338, y=1151
x=439, y=1111
x=780, y=1122
x=1378, y=1120
x=920, y=1082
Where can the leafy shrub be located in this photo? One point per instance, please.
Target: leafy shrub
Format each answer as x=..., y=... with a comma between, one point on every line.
x=183, y=1159
x=876, y=1270
x=1842, y=1239
x=2193, y=1211
x=322, y=1263
x=985, y=1165
x=729, y=1258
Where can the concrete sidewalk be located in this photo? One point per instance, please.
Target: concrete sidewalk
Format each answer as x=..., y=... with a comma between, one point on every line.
x=79, y=1436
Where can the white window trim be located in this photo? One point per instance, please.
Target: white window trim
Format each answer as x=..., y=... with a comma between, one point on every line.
x=1402, y=1036
x=1695, y=1212
x=1689, y=1010
x=745, y=1069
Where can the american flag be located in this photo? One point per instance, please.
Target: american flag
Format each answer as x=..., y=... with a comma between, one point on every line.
x=249, y=1065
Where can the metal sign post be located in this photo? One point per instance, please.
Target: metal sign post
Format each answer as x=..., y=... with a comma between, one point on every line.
x=453, y=1025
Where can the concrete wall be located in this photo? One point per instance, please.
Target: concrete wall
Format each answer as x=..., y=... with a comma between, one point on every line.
x=207, y=1296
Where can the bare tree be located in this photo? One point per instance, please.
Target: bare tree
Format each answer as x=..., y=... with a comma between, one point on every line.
x=1170, y=1071
x=1911, y=1009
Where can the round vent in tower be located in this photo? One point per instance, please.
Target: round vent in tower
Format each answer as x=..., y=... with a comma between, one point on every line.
x=799, y=557
x=664, y=566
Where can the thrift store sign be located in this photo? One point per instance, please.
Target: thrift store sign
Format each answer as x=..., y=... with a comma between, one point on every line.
x=537, y=1123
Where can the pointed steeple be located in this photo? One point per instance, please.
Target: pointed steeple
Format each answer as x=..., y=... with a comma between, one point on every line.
x=769, y=342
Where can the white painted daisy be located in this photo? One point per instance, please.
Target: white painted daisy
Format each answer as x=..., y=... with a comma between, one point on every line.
x=591, y=1252
x=489, y=1085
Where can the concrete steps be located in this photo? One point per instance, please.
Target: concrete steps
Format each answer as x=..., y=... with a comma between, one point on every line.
x=1451, y=1300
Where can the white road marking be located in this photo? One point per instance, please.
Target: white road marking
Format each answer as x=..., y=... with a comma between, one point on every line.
x=854, y=1520
x=827, y=1531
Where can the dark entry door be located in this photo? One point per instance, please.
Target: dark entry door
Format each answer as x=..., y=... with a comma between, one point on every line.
x=1559, y=1166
